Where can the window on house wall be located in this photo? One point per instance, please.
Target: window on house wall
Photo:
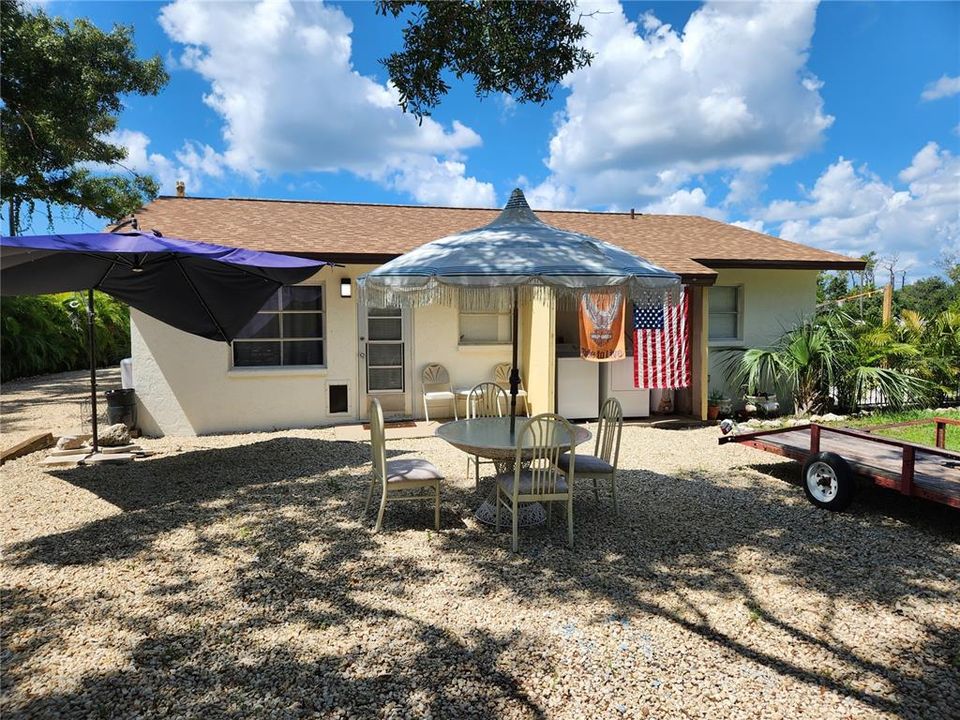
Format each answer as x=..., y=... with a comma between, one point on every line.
x=726, y=307
x=485, y=327
x=287, y=331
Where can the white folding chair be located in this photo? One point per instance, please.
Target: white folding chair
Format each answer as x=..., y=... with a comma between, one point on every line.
x=436, y=386
x=501, y=376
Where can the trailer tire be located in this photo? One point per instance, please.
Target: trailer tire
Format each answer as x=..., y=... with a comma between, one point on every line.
x=828, y=481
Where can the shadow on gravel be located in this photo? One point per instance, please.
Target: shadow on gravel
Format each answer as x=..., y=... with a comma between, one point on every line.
x=285, y=518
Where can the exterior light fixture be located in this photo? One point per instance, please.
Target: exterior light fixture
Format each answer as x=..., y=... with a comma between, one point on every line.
x=346, y=289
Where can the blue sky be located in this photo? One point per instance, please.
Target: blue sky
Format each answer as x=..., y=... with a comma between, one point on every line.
x=834, y=125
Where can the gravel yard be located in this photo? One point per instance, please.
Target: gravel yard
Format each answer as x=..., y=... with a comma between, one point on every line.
x=236, y=576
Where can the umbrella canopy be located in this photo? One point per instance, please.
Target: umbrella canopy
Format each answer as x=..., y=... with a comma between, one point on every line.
x=515, y=255
x=481, y=267
x=207, y=290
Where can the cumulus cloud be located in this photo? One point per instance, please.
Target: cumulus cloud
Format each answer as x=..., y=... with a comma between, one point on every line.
x=192, y=163
x=851, y=210
x=658, y=106
x=944, y=87
x=282, y=80
x=685, y=202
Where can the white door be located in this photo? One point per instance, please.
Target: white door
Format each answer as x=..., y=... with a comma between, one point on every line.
x=384, y=360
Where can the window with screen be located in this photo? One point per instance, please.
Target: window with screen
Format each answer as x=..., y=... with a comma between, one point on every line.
x=725, y=309
x=287, y=331
x=485, y=327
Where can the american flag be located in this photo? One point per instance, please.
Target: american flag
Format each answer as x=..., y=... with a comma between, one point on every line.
x=661, y=345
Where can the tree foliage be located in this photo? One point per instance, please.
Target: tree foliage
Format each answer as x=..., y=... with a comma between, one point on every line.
x=62, y=88
x=520, y=48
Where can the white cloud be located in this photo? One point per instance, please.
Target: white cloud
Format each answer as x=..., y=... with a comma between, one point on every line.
x=944, y=87
x=685, y=202
x=281, y=78
x=851, y=210
x=192, y=163
x=659, y=106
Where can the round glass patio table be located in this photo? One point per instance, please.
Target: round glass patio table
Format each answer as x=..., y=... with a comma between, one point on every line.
x=490, y=438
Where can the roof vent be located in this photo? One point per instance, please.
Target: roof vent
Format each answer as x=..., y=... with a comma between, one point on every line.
x=181, y=188
x=632, y=214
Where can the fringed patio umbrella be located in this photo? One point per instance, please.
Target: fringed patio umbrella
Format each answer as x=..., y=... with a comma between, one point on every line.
x=515, y=257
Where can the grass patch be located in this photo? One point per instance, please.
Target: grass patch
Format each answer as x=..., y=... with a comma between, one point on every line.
x=921, y=434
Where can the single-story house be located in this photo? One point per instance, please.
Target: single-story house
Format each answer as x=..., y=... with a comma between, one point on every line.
x=315, y=354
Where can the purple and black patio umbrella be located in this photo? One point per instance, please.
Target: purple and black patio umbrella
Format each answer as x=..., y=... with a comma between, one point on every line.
x=206, y=290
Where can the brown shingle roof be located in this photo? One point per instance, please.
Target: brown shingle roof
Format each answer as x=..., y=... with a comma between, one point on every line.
x=685, y=244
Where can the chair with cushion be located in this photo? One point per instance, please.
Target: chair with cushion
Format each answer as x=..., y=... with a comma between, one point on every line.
x=486, y=400
x=501, y=376
x=436, y=386
x=542, y=439
x=395, y=476
x=602, y=465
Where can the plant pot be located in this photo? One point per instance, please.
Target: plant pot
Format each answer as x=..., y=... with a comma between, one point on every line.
x=713, y=412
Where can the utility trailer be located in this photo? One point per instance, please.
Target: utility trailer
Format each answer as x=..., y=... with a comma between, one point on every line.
x=835, y=458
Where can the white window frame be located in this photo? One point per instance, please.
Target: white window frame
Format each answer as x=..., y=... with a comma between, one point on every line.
x=501, y=317
x=280, y=313
x=738, y=312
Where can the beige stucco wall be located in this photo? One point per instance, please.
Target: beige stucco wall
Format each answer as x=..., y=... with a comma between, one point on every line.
x=436, y=334
x=772, y=300
x=185, y=385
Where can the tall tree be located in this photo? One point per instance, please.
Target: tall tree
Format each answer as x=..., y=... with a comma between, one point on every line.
x=520, y=48
x=62, y=88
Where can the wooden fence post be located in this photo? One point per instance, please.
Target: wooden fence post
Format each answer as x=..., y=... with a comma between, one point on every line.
x=906, y=471
x=814, y=438
x=941, y=435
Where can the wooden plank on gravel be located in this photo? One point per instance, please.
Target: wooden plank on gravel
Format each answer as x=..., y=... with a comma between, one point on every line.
x=25, y=447
x=102, y=459
x=121, y=449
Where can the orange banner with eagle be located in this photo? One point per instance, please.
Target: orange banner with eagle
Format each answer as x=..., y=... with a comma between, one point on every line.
x=601, y=327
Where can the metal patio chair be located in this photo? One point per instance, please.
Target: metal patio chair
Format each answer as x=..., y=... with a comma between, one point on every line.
x=394, y=476
x=602, y=465
x=485, y=400
x=540, y=442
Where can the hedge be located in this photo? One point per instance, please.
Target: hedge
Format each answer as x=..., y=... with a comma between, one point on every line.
x=48, y=333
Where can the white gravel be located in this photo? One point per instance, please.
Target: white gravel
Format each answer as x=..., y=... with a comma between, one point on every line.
x=235, y=576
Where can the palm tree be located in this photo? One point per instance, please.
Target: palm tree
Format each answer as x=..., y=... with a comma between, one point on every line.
x=830, y=357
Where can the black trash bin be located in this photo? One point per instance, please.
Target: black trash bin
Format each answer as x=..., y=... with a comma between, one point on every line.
x=122, y=407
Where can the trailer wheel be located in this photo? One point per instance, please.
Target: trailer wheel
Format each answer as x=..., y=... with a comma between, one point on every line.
x=827, y=481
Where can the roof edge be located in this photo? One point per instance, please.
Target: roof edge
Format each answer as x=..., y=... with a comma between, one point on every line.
x=839, y=264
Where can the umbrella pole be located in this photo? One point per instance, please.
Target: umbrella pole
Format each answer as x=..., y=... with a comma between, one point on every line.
x=514, y=370
x=91, y=345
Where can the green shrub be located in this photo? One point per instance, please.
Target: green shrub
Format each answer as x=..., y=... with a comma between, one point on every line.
x=48, y=333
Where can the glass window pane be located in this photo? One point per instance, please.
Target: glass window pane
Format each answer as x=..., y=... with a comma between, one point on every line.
x=723, y=326
x=263, y=325
x=304, y=352
x=387, y=354
x=252, y=354
x=723, y=299
x=302, y=325
x=303, y=297
x=384, y=379
x=385, y=328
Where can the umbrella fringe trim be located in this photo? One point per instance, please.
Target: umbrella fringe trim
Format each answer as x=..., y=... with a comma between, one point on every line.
x=500, y=298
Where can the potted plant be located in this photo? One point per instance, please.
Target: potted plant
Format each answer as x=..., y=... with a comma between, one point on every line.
x=713, y=405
